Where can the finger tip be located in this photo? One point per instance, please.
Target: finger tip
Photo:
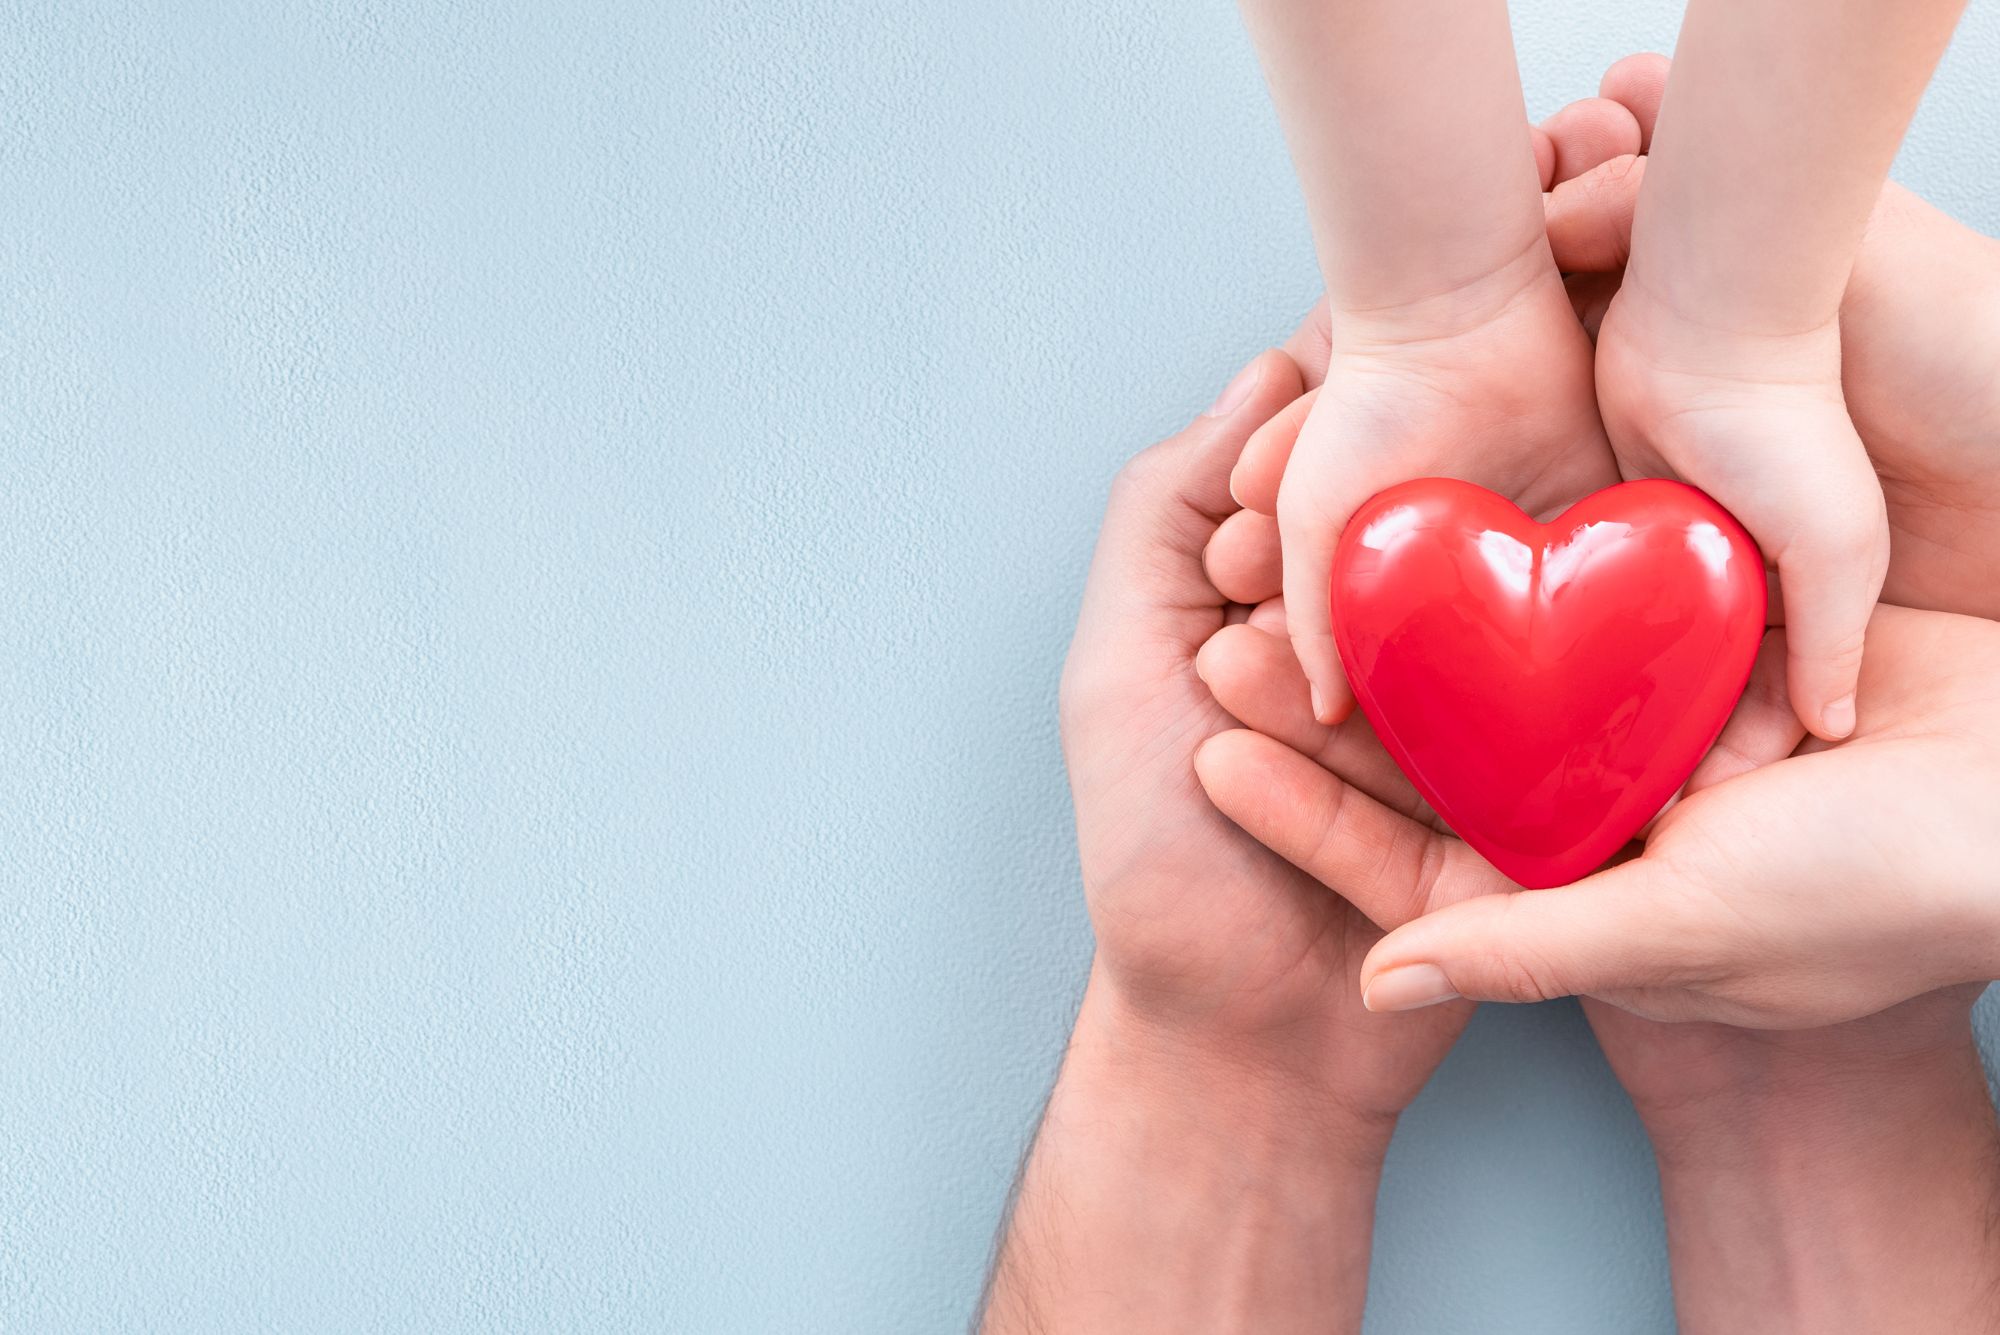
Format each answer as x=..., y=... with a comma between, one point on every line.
x=1836, y=720
x=1638, y=82
x=1214, y=758
x=1212, y=658
x=1545, y=155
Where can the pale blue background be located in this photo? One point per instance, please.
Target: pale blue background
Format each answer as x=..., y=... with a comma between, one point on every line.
x=535, y=547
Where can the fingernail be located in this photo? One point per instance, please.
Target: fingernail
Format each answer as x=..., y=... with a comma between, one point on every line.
x=1319, y=705
x=1838, y=717
x=1232, y=485
x=1410, y=987
x=1237, y=392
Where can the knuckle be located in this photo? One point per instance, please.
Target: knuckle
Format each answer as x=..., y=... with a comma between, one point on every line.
x=1520, y=972
x=1521, y=976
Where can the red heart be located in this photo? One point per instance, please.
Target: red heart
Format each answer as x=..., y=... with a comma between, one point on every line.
x=1547, y=687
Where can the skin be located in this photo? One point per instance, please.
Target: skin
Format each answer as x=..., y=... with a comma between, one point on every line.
x=1922, y=397
x=1828, y=1179
x=1210, y=1154
x=1918, y=319
x=1718, y=361
x=1841, y=1178
x=1446, y=318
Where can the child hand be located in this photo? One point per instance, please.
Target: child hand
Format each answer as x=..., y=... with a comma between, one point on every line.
x=1756, y=419
x=1490, y=383
x=1919, y=323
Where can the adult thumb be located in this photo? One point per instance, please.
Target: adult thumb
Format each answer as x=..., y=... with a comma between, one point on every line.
x=1610, y=933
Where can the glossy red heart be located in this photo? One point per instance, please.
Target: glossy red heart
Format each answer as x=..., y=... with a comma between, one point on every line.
x=1547, y=687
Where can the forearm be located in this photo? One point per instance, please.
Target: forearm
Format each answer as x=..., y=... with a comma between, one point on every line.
x=1856, y=1201
x=1173, y=1189
x=1779, y=123
x=1406, y=125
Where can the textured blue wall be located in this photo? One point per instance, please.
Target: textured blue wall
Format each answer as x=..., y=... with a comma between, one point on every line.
x=535, y=546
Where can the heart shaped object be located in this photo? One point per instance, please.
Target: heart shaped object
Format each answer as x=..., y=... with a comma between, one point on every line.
x=1547, y=687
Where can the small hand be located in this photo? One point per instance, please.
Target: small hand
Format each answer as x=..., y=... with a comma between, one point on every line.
x=1759, y=900
x=1917, y=325
x=1919, y=329
x=1490, y=383
x=1756, y=419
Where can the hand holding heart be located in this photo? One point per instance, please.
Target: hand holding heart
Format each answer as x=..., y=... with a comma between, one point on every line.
x=1207, y=940
x=1826, y=886
x=1817, y=889
x=1918, y=325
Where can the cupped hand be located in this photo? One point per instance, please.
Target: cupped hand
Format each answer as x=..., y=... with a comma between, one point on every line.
x=1833, y=883
x=1490, y=382
x=1206, y=937
x=1827, y=886
x=1916, y=316
x=1919, y=331
x=1757, y=421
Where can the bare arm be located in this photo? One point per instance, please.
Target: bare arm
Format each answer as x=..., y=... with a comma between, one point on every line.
x=1453, y=350
x=1406, y=124
x=1780, y=120
x=1171, y=1189
x=1836, y=1199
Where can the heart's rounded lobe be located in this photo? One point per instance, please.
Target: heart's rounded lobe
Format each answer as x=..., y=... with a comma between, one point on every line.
x=1547, y=687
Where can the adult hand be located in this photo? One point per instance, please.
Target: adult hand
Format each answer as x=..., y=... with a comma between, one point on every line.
x=1211, y=1151
x=1831, y=1179
x=1201, y=931
x=1827, y=886
x=1719, y=842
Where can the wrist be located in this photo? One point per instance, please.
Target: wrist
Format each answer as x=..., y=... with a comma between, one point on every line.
x=1675, y=328
x=1173, y=1187
x=1274, y=1095
x=1444, y=299
x=1850, y=1196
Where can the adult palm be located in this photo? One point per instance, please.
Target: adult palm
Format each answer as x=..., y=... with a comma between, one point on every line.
x=1201, y=930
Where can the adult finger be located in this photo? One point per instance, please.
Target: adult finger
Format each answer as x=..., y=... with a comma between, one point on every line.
x=1386, y=865
x=1242, y=558
x=1269, y=617
x=1587, y=133
x=1619, y=931
x=1251, y=672
x=1311, y=345
x=1589, y=217
x=1167, y=501
x=1762, y=730
x=1638, y=83
x=1261, y=468
x=1253, y=675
